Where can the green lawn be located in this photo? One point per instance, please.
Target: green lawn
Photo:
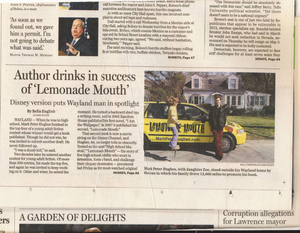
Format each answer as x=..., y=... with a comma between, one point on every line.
x=257, y=128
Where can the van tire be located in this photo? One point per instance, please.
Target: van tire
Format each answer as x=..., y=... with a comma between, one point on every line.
x=227, y=143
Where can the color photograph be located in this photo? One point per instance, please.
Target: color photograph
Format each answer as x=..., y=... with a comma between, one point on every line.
x=209, y=117
x=78, y=37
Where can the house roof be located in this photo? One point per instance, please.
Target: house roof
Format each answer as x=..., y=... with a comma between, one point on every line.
x=213, y=83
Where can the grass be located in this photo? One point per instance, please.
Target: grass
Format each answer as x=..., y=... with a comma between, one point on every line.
x=257, y=128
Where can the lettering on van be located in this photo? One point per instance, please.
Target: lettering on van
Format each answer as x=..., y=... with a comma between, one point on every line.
x=195, y=128
x=163, y=127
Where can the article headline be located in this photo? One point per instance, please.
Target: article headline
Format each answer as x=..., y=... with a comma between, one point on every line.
x=72, y=217
x=97, y=89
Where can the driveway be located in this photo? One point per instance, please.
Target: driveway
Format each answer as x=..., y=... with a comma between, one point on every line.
x=253, y=151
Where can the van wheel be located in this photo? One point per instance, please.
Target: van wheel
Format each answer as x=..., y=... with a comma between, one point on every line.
x=227, y=143
x=146, y=143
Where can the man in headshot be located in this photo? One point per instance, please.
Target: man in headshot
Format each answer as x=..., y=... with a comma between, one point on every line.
x=217, y=121
x=79, y=46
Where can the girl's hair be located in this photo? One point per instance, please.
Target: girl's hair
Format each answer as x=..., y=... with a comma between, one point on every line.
x=172, y=100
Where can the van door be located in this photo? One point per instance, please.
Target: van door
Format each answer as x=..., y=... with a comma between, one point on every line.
x=195, y=126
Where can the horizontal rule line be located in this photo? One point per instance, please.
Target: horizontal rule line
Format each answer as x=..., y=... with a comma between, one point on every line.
x=192, y=67
x=159, y=188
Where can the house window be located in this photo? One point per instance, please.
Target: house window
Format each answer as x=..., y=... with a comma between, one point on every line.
x=252, y=101
x=233, y=101
x=196, y=100
x=262, y=100
x=239, y=100
x=233, y=84
x=196, y=83
x=256, y=100
x=210, y=81
x=228, y=100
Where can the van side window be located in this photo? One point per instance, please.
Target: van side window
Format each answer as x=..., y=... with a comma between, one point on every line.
x=158, y=111
x=190, y=113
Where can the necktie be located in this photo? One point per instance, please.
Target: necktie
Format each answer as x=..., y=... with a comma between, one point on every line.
x=73, y=42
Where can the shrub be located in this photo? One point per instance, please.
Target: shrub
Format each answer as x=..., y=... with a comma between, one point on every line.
x=239, y=112
x=254, y=112
x=206, y=106
x=269, y=110
x=265, y=111
x=231, y=110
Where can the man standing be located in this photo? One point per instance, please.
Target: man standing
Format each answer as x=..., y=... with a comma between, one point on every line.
x=217, y=121
x=79, y=46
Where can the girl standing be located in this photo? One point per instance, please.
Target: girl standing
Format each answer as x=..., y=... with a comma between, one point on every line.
x=173, y=122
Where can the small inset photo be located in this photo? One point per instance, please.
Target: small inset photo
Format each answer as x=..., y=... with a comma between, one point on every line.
x=209, y=117
x=88, y=6
x=78, y=37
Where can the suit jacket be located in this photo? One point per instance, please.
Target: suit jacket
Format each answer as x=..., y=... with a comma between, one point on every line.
x=216, y=122
x=85, y=46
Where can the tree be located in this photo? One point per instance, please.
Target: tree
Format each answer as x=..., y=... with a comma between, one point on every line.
x=161, y=84
x=260, y=82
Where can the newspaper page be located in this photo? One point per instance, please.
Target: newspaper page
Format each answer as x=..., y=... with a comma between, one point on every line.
x=80, y=220
x=84, y=122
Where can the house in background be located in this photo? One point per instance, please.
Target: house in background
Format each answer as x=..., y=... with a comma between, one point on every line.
x=202, y=89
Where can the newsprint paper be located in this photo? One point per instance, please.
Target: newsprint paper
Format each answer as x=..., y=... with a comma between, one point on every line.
x=84, y=122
